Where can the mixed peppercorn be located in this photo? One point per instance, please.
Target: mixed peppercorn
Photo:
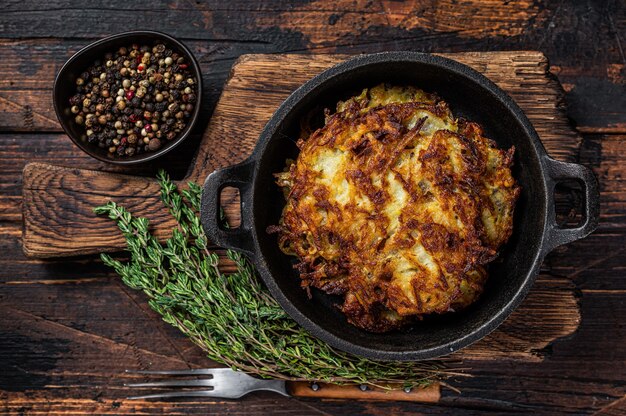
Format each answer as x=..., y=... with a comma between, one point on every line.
x=136, y=100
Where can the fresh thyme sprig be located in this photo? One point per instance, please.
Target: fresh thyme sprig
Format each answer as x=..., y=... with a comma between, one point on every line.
x=232, y=316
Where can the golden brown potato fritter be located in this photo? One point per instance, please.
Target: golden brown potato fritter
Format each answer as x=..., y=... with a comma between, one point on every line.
x=396, y=205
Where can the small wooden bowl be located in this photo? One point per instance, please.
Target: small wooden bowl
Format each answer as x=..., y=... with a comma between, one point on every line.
x=65, y=87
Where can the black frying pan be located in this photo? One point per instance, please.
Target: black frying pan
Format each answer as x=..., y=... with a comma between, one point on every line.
x=470, y=95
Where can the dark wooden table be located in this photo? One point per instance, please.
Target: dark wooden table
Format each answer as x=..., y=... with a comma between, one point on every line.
x=69, y=326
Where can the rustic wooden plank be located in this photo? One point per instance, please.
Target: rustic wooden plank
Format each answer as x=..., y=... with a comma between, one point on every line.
x=61, y=364
x=129, y=351
x=586, y=55
x=552, y=301
x=260, y=21
x=82, y=190
x=615, y=408
x=232, y=133
x=260, y=404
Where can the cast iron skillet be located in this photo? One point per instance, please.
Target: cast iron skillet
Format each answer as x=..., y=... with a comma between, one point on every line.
x=470, y=95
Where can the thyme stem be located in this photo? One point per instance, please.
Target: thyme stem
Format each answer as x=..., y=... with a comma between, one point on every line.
x=232, y=317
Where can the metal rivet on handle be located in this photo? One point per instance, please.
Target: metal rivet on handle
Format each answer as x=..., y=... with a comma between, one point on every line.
x=363, y=387
x=407, y=389
x=315, y=387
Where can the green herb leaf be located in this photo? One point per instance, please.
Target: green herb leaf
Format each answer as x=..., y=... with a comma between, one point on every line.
x=232, y=316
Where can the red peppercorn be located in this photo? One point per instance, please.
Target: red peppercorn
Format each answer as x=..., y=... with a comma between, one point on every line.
x=140, y=109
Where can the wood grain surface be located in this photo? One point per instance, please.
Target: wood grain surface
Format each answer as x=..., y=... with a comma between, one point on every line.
x=69, y=328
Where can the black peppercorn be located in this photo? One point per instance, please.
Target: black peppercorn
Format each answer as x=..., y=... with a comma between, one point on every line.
x=134, y=99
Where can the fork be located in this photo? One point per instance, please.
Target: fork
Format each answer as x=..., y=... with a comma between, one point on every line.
x=229, y=384
x=222, y=382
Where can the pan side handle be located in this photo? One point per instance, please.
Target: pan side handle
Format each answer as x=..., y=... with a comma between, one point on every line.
x=557, y=172
x=238, y=176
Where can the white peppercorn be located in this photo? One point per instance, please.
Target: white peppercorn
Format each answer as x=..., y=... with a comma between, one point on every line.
x=140, y=92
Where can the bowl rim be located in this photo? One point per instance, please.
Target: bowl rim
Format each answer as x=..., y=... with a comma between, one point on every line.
x=146, y=157
x=348, y=66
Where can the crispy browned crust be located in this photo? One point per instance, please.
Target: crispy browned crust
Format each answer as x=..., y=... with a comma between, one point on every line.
x=397, y=206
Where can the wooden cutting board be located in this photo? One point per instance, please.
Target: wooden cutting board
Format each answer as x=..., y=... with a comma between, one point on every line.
x=58, y=201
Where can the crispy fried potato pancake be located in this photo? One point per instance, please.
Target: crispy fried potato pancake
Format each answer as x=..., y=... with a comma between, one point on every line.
x=396, y=205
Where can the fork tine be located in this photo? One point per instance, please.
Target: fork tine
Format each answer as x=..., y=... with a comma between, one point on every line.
x=170, y=394
x=173, y=383
x=190, y=372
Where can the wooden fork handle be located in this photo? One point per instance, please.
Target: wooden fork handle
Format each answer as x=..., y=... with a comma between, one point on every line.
x=430, y=394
